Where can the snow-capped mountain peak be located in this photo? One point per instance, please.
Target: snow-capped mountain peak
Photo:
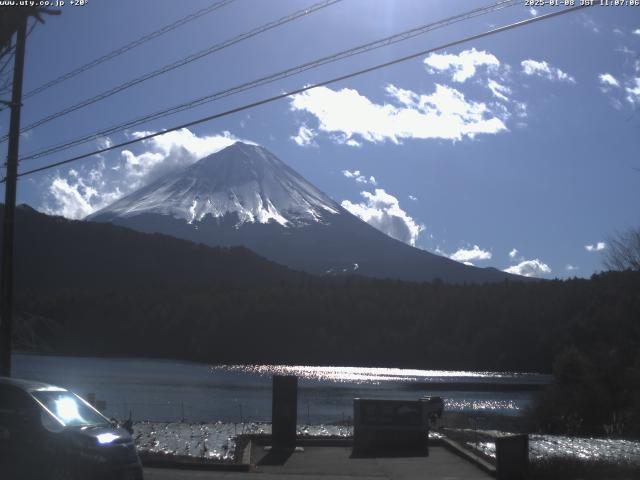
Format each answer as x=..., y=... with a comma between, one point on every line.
x=244, y=195
x=242, y=179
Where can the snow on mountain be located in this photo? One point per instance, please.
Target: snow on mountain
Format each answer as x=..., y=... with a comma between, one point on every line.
x=241, y=179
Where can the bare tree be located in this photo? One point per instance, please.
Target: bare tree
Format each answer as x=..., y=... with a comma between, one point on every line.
x=623, y=252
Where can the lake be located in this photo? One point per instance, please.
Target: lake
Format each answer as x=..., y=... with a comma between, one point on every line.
x=169, y=390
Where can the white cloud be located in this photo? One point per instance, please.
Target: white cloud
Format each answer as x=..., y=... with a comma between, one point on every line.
x=81, y=193
x=382, y=211
x=636, y=31
x=589, y=23
x=529, y=268
x=625, y=50
x=513, y=253
x=543, y=69
x=305, y=137
x=533, y=12
x=104, y=142
x=499, y=91
x=444, y=114
x=626, y=86
x=463, y=66
x=571, y=268
x=73, y=200
x=358, y=177
x=608, y=80
x=466, y=255
x=633, y=91
x=412, y=198
x=598, y=247
x=89, y=188
x=169, y=152
x=521, y=110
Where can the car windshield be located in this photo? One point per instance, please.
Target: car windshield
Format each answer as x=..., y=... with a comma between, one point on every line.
x=69, y=409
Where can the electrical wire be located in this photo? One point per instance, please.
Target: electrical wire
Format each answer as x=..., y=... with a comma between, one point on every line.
x=309, y=87
x=8, y=51
x=180, y=63
x=129, y=46
x=7, y=87
x=406, y=35
x=9, y=58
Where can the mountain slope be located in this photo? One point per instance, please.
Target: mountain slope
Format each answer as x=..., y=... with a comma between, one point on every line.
x=244, y=195
x=54, y=253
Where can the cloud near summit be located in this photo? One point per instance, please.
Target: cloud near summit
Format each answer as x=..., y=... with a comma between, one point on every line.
x=382, y=210
x=78, y=193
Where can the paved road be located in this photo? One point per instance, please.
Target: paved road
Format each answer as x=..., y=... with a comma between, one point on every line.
x=334, y=462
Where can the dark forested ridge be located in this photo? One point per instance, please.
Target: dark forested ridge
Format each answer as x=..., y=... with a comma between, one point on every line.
x=111, y=291
x=54, y=253
x=351, y=322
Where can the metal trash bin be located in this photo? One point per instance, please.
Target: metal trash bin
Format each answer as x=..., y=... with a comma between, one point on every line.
x=390, y=427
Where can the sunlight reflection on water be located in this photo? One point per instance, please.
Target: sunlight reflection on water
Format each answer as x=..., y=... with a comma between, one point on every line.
x=481, y=405
x=367, y=374
x=165, y=390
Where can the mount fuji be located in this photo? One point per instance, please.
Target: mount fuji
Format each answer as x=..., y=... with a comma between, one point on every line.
x=245, y=195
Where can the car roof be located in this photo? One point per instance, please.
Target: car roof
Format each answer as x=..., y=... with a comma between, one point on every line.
x=28, y=385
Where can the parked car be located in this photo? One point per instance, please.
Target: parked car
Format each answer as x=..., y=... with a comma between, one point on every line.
x=47, y=432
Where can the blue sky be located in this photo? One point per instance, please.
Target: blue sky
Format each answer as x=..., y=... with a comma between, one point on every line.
x=518, y=151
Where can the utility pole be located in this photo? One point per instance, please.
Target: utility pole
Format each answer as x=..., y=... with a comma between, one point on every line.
x=12, y=19
x=6, y=279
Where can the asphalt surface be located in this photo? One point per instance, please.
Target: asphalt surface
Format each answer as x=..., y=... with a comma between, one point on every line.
x=335, y=462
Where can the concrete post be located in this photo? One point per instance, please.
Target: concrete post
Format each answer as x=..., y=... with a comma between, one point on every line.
x=512, y=457
x=284, y=411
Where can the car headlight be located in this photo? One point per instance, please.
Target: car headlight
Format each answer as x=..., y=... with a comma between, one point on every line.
x=106, y=438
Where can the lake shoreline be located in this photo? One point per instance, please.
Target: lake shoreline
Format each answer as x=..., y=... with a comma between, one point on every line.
x=166, y=390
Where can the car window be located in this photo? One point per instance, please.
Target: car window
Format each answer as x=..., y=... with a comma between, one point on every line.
x=69, y=409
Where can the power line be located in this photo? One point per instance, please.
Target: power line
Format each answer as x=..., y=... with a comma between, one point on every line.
x=11, y=50
x=172, y=66
x=408, y=34
x=7, y=83
x=9, y=58
x=129, y=46
x=309, y=87
x=8, y=51
x=5, y=88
